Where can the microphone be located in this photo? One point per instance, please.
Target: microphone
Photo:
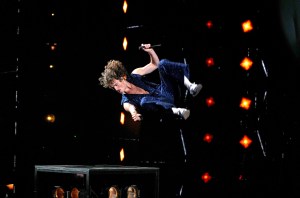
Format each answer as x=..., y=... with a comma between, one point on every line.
x=152, y=46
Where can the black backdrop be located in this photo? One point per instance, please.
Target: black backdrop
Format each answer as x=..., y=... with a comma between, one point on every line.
x=87, y=129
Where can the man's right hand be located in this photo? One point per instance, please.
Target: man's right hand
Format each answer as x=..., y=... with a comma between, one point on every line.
x=136, y=116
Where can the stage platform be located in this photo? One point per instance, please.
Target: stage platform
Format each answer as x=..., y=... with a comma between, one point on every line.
x=94, y=181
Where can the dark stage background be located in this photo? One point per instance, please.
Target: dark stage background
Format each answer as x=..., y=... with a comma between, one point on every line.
x=87, y=129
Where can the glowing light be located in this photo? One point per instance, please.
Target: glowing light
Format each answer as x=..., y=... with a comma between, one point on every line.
x=241, y=177
x=210, y=62
x=246, y=63
x=209, y=24
x=52, y=46
x=122, y=118
x=75, y=193
x=206, y=177
x=125, y=43
x=247, y=26
x=210, y=101
x=125, y=6
x=10, y=186
x=245, y=141
x=133, y=192
x=50, y=118
x=51, y=66
x=122, y=155
x=245, y=103
x=208, y=138
x=59, y=193
x=113, y=192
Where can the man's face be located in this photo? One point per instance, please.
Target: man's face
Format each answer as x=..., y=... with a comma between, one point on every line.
x=119, y=85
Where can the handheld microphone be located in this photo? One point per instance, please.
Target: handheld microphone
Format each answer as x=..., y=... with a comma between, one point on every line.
x=152, y=46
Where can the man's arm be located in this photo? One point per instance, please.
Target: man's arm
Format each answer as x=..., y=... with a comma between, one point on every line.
x=152, y=65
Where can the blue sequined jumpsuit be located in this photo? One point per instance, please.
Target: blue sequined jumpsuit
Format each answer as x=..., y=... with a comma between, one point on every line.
x=161, y=94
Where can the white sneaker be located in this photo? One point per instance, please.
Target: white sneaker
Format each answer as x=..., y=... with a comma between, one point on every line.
x=182, y=112
x=195, y=89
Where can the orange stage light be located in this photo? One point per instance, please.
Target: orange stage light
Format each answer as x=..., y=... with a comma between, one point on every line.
x=125, y=6
x=125, y=43
x=122, y=154
x=246, y=63
x=245, y=141
x=245, y=103
x=50, y=118
x=247, y=26
x=122, y=118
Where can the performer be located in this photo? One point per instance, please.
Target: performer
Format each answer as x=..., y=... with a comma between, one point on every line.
x=140, y=94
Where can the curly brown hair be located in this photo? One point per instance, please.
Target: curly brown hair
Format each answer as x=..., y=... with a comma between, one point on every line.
x=113, y=70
